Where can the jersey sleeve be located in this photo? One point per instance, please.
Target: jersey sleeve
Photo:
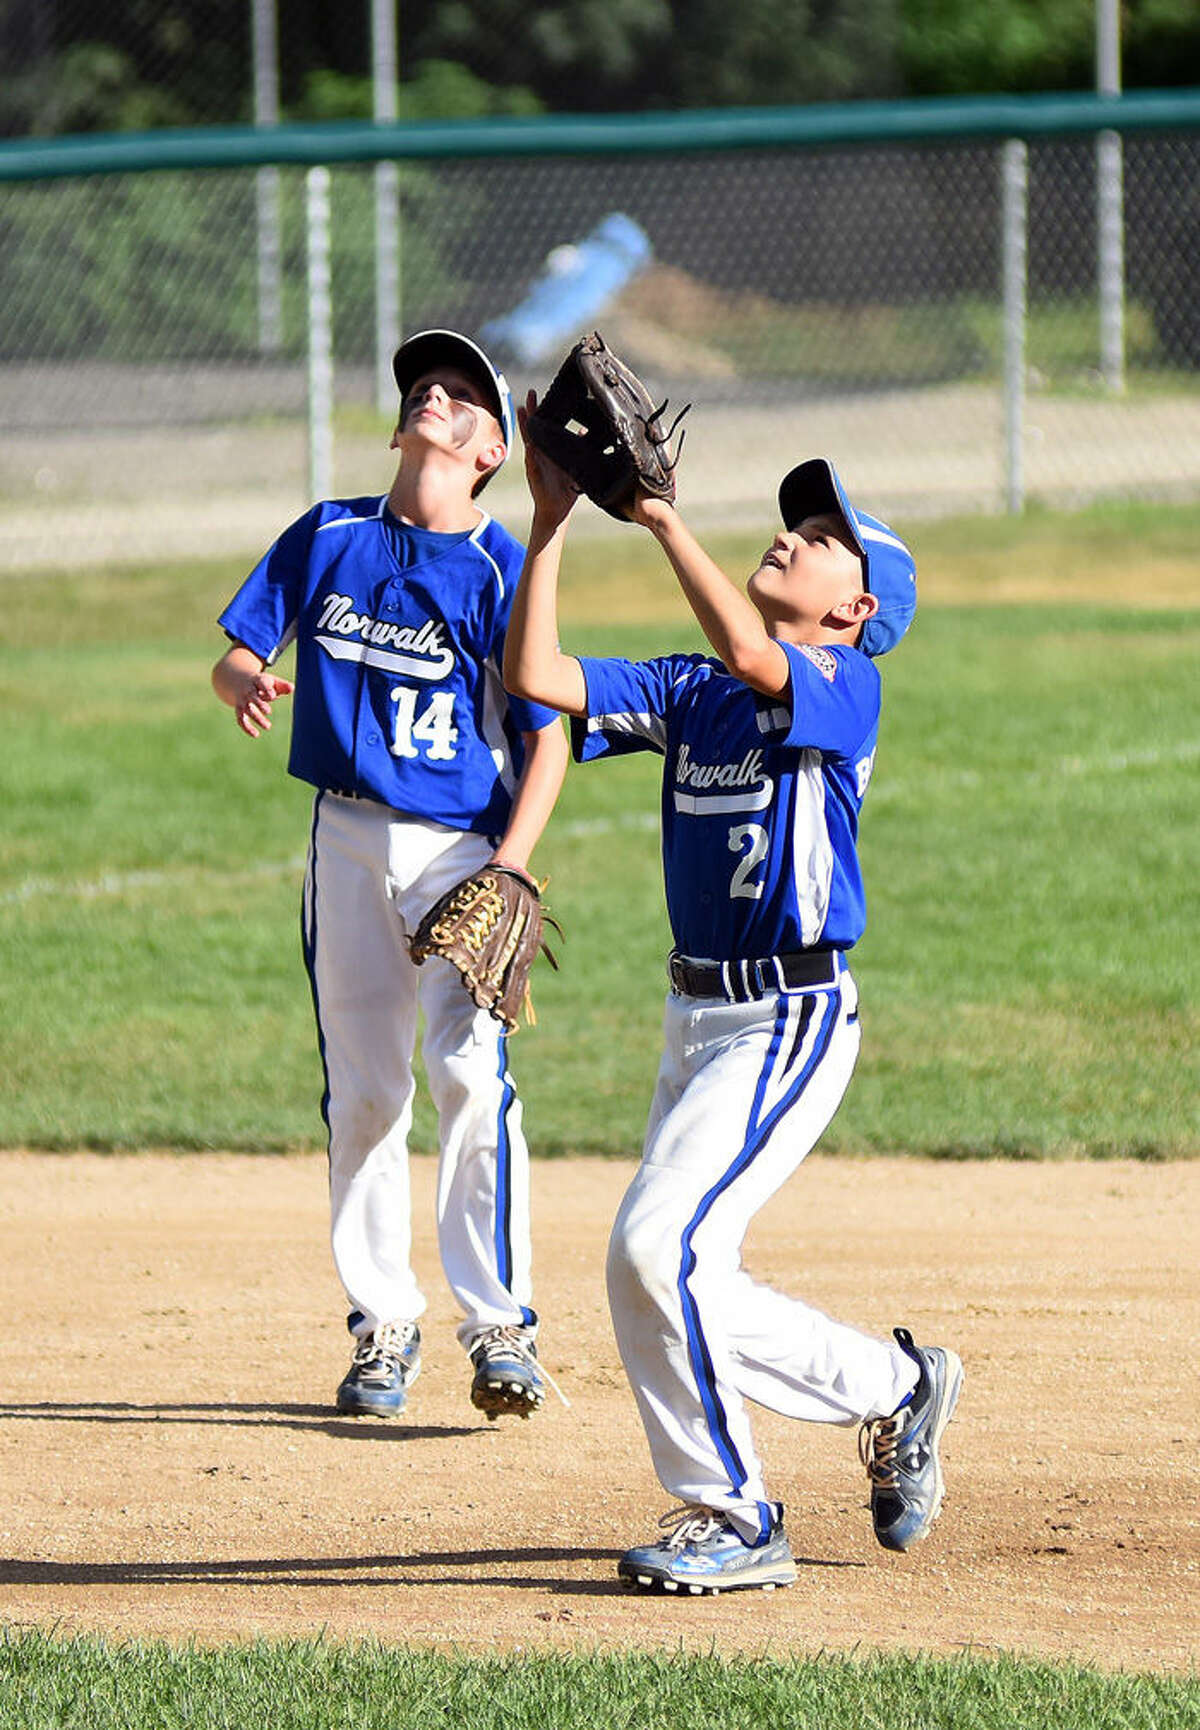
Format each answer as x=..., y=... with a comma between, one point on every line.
x=263, y=612
x=833, y=701
x=628, y=703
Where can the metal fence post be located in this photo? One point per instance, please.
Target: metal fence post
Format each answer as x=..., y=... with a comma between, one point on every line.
x=1015, y=161
x=1110, y=180
x=387, y=206
x=1110, y=199
x=266, y=181
x=320, y=337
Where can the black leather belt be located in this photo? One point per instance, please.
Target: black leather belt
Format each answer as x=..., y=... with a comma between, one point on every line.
x=742, y=981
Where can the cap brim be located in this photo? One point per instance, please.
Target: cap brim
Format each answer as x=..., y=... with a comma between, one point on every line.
x=812, y=489
x=432, y=348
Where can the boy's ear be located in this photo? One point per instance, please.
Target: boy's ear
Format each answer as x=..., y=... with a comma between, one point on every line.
x=394, y=442
x=490, y=457
x=857, y=609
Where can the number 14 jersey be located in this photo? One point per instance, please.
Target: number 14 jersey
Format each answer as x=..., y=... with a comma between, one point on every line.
x=399, y=635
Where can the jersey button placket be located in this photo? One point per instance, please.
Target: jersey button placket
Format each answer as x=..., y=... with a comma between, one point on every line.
x=384, y=604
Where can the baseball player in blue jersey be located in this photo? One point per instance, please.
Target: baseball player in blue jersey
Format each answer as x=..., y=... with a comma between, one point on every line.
x=425, y=770
x=768, y=750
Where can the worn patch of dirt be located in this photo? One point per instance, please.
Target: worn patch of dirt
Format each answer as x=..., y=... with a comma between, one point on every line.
x=173, y=1466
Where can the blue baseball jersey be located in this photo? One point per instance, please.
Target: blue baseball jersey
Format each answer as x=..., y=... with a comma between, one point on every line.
x=399, y=636
x=760, y=796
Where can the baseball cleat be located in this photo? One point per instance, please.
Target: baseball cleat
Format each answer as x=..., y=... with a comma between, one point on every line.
x=703, y=1553
x=385, y=1365
x=507, y=1375
x=900, y=1452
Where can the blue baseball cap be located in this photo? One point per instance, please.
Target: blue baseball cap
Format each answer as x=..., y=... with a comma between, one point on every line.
x=890, y=573
x=430, y=348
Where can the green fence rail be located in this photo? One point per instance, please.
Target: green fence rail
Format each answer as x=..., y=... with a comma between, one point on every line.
x=970, y=303
x=821, y=124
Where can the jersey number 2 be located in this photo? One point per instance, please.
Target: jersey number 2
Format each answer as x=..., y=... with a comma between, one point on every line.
x=434, y=727
x=751, y=837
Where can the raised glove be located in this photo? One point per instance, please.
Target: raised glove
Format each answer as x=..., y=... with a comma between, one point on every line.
x=490, y=926
x=598, y=422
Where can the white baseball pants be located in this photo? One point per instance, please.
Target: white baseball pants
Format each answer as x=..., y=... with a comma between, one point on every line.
x=744, y=1091
x=371, y=876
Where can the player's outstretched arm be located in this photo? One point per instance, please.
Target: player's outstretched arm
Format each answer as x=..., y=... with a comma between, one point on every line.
x=534, y=666
x=546, y=754
x=731, y=622
x=241, y=680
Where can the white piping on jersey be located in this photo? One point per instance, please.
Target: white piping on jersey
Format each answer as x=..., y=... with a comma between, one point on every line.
x=641, y=725
x=351, y=522
x=496, y=571
x=491, y=725
x=473, y=538
x=812, y=854
x=285, y=642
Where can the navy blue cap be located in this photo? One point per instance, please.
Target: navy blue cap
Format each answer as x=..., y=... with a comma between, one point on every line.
x=814, y=490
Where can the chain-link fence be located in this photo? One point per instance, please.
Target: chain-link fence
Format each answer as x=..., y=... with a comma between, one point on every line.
x=840, y=300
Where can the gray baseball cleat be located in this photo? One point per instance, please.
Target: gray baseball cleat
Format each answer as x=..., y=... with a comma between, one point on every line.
x=385, y=1365
x=703, y=1553
x=900, y=1452
x=508, y=1377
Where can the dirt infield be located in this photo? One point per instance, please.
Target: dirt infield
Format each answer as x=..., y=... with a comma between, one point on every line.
x=172, y=1465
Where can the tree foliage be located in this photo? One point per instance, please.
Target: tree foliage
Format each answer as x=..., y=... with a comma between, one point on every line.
x=73, y=66
x=588, y=55
x=438, y=90
x=960, y=47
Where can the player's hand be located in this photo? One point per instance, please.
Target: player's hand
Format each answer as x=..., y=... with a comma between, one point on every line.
x=253, y=707
x=651, y=513
x=552, y=490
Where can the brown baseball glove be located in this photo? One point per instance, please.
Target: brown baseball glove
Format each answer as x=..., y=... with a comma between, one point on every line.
x=598, y=422
x=490, y=926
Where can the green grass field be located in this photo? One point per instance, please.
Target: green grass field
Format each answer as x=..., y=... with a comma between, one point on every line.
x=1029, y=971
x=1029, y=985
x=87, y=1684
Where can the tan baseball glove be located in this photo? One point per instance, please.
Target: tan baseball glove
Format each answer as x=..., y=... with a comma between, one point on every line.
x=490, y=926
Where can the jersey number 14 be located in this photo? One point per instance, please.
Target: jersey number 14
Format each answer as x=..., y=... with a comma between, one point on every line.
x=433, y=729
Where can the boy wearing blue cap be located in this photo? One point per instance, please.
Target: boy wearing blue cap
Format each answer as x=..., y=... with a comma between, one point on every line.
x=768, y=751
x=424, y=771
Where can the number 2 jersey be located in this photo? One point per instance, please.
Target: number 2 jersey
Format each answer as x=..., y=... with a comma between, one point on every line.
x=760, y=796
x=399, y=636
